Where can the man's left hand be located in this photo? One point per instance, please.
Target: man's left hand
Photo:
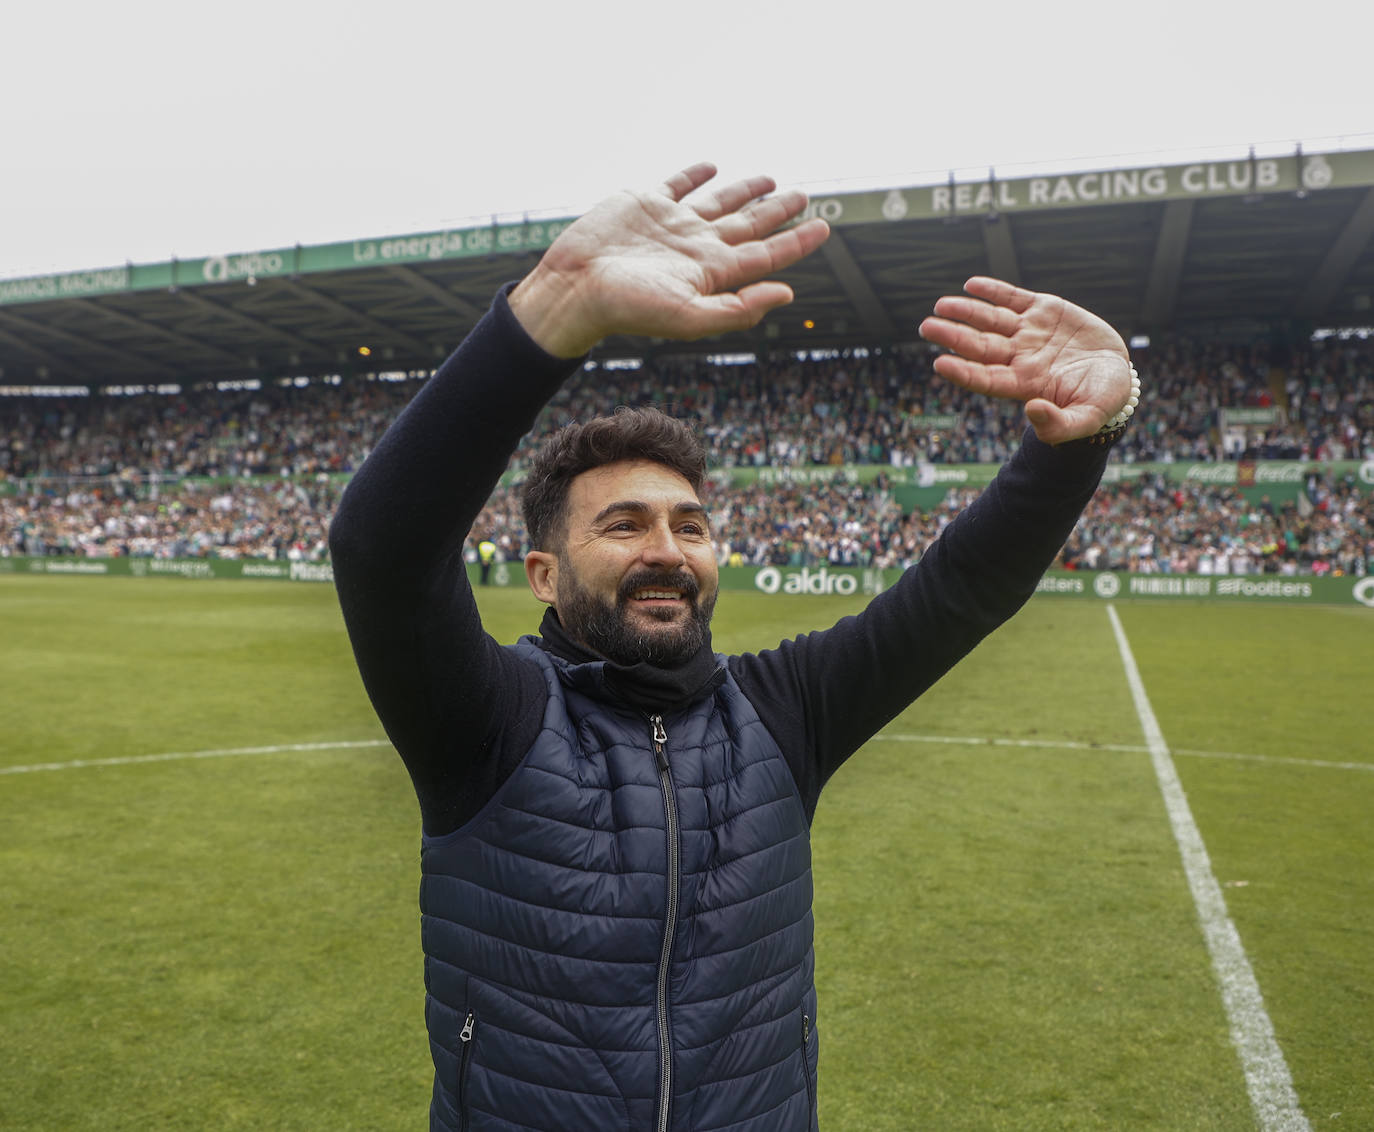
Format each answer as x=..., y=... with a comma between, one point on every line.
x=1069, y=367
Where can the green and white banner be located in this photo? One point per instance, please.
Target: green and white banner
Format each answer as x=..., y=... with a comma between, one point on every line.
x=1305, y=589
x=270, y=263
x=1100, y=585
x=195, y=568
x=813, y=581
x=1289, y=173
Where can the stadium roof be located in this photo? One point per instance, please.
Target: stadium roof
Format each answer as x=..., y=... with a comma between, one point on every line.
x=1273, y=245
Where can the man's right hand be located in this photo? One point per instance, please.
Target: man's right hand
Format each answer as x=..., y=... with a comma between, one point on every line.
x=652, y=263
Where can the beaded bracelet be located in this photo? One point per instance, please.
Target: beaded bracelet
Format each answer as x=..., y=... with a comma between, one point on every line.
x=1116, y=425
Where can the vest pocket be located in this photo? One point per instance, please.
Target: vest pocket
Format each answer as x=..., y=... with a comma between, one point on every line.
x=809, y=1041
x=468, y=1037
x=513, y=1063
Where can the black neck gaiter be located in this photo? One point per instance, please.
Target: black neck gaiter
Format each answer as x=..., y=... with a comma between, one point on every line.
x=644, y=686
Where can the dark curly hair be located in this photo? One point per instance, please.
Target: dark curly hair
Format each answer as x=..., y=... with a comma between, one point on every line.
x=627, y=434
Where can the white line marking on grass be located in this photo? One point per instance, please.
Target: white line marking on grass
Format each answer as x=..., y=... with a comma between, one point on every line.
x=1127, y=748
x=173, y=756
x=1273, y=759
x=1046, y=744
x=1266, y=1073
x=888, y=736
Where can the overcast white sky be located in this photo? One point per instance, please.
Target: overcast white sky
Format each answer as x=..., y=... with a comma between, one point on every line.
x=148, y=128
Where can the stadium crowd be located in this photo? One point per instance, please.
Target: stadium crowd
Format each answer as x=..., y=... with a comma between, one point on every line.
x=861, y=408
x=1149, y=524
x=99, y=475
x=284, y=520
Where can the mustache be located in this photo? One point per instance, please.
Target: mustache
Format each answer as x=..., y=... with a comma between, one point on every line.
x=658, y=580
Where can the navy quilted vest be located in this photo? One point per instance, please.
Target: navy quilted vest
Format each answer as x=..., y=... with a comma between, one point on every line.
x=622, y=937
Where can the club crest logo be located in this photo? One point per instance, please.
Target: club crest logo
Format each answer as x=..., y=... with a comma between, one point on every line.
x=1106, y=585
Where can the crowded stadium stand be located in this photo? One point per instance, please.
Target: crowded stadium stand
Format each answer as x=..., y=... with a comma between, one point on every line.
x=214, y=408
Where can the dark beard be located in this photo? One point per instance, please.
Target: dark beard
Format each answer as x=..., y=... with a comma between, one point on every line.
x=605, y=628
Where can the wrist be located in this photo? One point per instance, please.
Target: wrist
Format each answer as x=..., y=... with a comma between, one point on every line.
x=546, y=305
x=1115, y=425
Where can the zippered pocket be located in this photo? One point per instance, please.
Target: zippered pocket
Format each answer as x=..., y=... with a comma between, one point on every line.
x=505, y=1054
x=809, y=1069
x=467, y=1037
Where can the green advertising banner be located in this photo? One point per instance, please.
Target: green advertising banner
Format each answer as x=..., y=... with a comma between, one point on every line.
x=1251, y=416
x=1280, y=480
x=455, y=243
x=925, y=485
x=1231, y=473
x=1291, y=173
x=933, y=421
x=1310, y=172
x=1307, y=589
x=1101, y=585
x=843, y=581
x=194, y=568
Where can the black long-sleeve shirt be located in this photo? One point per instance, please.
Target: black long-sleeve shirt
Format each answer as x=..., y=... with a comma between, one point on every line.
x=462, y=710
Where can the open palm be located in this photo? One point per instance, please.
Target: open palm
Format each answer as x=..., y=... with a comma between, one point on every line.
x=653, y=263
x=1069, y=366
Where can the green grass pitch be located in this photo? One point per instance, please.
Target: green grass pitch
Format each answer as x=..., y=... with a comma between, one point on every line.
x=1005, y=938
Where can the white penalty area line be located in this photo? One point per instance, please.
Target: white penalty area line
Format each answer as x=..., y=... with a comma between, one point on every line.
x=1266, y=1072
x=176, y=756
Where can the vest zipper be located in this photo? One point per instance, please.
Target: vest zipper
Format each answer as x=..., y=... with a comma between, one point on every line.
x=469, y=1025
x=665, y=1045
x=806, y=1064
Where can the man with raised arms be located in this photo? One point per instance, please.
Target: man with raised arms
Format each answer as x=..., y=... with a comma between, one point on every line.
x=616, y=874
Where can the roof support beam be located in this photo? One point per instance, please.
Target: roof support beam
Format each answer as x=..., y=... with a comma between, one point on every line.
x=223, y=310
x=413, y=278
x=63, y=366
x=1001, y=249
x=29, y=328
x=856, y=286
x=387, y=333
x=193, y=344
x=1161, y=289
x=1340, y=257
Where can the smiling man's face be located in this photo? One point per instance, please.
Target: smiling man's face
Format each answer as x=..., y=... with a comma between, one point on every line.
x=636, y=579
